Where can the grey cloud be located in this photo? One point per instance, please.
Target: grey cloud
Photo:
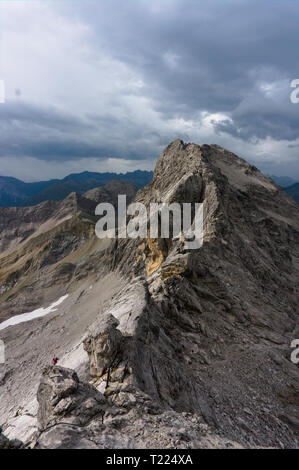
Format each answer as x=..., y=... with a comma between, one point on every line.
x=259, y=117
x=222, y=48
x=27, y=114
x=49, y=134
x=192, y=56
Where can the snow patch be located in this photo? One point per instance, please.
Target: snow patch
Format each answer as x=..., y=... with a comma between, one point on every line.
x=40, y=312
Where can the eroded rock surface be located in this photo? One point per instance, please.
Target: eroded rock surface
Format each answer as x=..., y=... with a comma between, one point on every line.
x=212, y=328
x=61, y=394
x=73, y=414
x=9, y=444
x=104, y=344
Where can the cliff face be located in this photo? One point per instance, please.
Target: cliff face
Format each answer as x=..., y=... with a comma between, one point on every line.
x=198, y=339
x=212, y=334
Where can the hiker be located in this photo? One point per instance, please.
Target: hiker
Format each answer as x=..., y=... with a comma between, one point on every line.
x=55, y=360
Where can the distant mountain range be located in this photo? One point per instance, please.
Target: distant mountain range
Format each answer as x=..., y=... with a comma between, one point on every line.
x=293, y=191
x=290, y=185
x=14, y=192
x=283, y=181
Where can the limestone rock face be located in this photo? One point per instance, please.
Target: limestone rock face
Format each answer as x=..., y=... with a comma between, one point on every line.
x=61, y=394
x=9, y=444
x=74, y=415
x=4, y=442
x=110, y=192
x=104, y=345
x=212, y=334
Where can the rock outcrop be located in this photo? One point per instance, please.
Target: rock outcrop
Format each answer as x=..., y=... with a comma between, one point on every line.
x=4, y=442
x=73, y=414
x=9, y=444
x=61, y=395
x=110, y=192
x=105, y=345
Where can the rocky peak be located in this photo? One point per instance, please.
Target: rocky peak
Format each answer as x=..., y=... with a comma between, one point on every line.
x=212, y=314
x=235, y=194
x=193, y=340
x=110, y=192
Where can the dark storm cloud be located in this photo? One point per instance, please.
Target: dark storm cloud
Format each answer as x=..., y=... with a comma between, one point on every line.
x=235, y=57
x=42, y=132
x=28, y=114
x=259, y=117
x=48, y=133
x=219, y=50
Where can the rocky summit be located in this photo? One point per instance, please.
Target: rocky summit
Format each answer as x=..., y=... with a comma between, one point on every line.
x=159, y=346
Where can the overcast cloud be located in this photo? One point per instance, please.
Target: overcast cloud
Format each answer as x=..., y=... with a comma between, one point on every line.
x=105, y=85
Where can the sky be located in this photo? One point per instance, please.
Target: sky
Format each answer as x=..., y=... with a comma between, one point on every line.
x=105, y=85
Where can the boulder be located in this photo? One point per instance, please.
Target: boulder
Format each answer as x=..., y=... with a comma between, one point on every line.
x=103, y=344
x=63, y=398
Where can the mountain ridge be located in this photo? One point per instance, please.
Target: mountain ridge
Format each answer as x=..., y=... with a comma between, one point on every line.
x=14, y=192
x=171, y=345
x=293, y=191
x=17, y=193
x=283, y=181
